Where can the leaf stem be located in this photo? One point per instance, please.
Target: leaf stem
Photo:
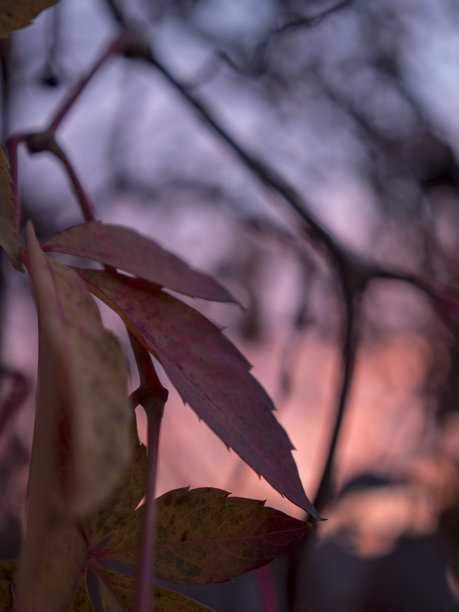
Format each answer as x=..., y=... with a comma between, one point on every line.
x=152, y=396
x=114, y=47
x=86, y=205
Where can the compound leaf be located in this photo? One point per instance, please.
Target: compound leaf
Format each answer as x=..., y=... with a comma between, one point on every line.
x=123, y=248
x=204, y=536
x=211, y=375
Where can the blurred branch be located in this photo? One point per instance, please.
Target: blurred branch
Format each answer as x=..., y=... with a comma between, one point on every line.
x=348, y=354
x=74, y=95
x=45, y=141
x=257, y=65
x=265, y=174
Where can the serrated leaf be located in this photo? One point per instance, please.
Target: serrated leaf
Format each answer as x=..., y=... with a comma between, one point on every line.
x=204, y=536
x=16, y=14
x=9, y=238
x=127, y=250
x=87, y=384
x=211, y=375
x=118, y=595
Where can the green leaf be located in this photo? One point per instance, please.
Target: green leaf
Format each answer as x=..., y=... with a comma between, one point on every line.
x=85, y=389
x=123, y=248
x=210, y=374
x=118, y=595
x=204, y=536
x=9, y=238
x=16, y=14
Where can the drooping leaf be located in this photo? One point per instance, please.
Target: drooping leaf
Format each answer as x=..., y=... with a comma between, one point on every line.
x=53, y=551
x=7, y=587
x=204, y=536
x=87, y=383
x=127, y=250
x=118, y=595
x=52, y=560
x=16, y=14
x=9, y=238
x=210, y=375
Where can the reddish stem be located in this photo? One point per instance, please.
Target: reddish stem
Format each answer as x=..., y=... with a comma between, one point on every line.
x=86, y=205
x=111, y=50
x=12, y=148
x=145, y=567
x=152, y=396
x=265, y=586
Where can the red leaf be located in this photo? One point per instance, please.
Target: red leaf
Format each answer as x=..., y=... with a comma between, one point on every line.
x=127, y=250
x=211, y=375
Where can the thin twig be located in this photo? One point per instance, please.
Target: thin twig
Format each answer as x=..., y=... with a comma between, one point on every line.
x=257, y=65
x=45, y=141
x=348, y=354
x=86, y=205
x=12, y=145
x=266, y=174
x=112, y=49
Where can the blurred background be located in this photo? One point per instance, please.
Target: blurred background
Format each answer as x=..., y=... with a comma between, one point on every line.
x=355, y=105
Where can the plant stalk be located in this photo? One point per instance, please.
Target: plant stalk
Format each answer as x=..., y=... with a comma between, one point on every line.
x=152, y=396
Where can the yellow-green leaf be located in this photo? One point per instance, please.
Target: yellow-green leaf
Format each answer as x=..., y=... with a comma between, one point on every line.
x=118, y=595
x=9, y=238
x=51, y=565
x=88, y=386
x=128, y=494
x=204, y=536
x=16, y=14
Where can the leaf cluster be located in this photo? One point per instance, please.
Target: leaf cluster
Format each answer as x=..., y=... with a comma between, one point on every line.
x=88, y=472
